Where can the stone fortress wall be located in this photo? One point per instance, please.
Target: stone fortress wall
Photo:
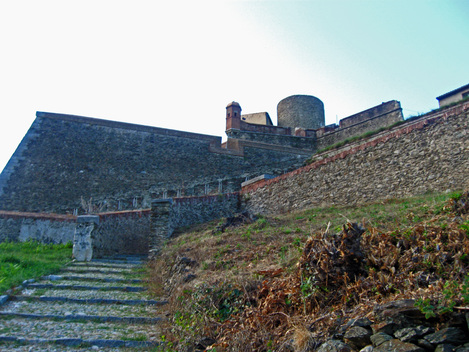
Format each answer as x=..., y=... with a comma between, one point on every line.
x=320, y=137
x=64, y=159
x=429, y=154
x=121, y=167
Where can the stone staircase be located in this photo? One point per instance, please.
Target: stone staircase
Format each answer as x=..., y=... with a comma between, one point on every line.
x=101, y=305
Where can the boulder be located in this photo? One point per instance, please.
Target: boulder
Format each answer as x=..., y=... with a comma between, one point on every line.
x=334, y=346
x=412, y=334
x=380, y=338
x=452, y=335
x=396, y=345
x=357, y=337
x=444, y=347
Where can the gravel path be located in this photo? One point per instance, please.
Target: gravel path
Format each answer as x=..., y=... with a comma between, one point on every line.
x=49, y=315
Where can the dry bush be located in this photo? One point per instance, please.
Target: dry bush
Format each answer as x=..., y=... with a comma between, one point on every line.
x=248, y=298
x=348, y=274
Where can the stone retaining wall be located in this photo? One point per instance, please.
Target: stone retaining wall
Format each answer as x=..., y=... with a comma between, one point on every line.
x=125, y=232
x=169, y=215
x=430, y=154
x=45, y=228
x=196, y=210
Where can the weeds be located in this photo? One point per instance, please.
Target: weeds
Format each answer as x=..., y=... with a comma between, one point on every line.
x=266, y=278
x=21, y=261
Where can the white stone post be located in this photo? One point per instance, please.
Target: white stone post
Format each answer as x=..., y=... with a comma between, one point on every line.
x=82, y=240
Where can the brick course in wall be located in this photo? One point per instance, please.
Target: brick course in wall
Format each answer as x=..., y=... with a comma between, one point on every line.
x=430, y=154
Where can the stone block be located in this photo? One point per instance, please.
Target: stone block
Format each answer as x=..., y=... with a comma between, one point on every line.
x=82, y=239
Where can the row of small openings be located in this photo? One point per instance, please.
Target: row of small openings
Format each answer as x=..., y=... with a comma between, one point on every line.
x=137, y=201
x=208, y=189
x=235, y=115
x=121, y=205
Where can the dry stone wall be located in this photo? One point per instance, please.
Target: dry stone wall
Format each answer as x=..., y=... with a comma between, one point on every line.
x=430, y=154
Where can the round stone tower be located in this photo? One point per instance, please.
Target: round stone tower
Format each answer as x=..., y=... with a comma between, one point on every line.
x=304, y=111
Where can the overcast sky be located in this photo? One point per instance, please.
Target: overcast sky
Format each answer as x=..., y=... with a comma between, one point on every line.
x=177, y=64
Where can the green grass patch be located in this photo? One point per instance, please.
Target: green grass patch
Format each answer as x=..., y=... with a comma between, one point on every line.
x=21, y=261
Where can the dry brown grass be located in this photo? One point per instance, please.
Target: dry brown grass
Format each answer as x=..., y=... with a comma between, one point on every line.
x=270, y=281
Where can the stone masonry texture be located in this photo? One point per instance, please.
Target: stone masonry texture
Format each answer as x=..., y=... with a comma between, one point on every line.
x=64, y=159
x=45, y=228
x=430, y=154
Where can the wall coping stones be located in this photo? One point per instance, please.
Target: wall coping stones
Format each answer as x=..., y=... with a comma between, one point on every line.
x=41, y=216
x=162, y=200
x=87, y=219
x=128, y=126
x=207, y=199
x=257, y=179
x=123, y=214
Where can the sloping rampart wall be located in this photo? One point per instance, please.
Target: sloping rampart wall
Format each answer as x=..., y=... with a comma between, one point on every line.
x=430, y=154
x=120, y=166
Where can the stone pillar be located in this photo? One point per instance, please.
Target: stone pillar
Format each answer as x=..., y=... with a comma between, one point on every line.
x=160, y=223
x=82, y=240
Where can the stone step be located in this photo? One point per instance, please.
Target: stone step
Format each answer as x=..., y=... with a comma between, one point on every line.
x=83, y=294
x=87, y=278
x=81, y=317
x=102, y=270
x=124, y=301
x=49, y=345
x=103, y=276
x=105, y=265
x=71, y=280
x=88, y=287
x=119, y=261
x=22, y=328
x=65, y=308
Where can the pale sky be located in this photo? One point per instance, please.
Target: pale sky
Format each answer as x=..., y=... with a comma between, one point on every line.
x=177, y=64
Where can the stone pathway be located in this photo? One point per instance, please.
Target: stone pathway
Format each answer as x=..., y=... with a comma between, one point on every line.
x=101, y=305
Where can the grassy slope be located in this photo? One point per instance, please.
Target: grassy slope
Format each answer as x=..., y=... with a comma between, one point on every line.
x=28, y=260
x=254, y=286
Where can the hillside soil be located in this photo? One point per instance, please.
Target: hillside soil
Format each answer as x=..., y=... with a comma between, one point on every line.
x=281, y=283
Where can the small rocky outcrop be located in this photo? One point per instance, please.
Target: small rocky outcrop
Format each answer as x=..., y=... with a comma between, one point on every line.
x=400, y=327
